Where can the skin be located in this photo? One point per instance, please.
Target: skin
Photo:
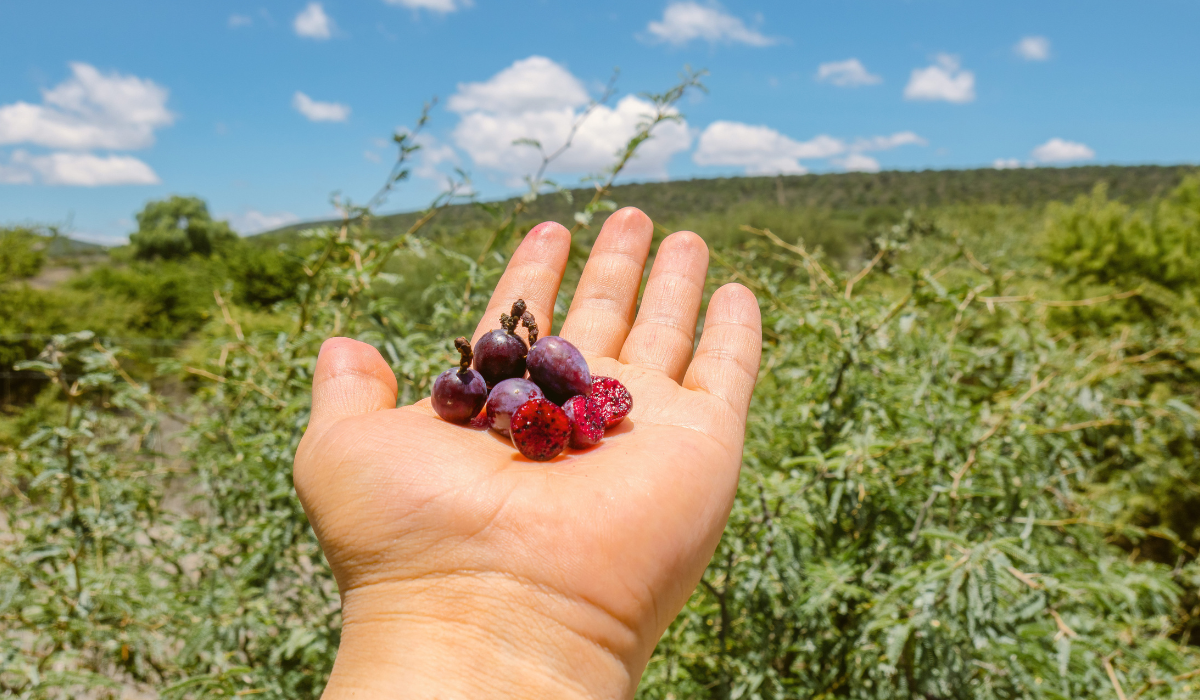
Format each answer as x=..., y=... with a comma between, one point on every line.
x=468, y=571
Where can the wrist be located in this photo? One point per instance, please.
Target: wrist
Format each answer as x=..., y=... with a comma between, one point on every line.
x=478, y=636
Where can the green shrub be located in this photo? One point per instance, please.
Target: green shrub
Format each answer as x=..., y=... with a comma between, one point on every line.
x=946, y=492
x=178, y=227
x=22, y=253
x=1101, y=240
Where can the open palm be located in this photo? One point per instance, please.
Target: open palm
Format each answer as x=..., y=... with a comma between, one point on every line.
x=466, y=569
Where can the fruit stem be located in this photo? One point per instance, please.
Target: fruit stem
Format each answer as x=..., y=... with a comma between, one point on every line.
x=461, y=344
x=530, y=324
x=509, y=321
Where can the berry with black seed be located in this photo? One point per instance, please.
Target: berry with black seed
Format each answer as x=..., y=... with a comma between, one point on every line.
x=459, y=394
x=500, y=354
x=587, y=425
x=540, y=430
x=505, y=398
x=611, y=399
x=559, y=369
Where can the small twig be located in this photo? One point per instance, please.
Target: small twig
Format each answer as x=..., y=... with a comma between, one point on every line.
x=809, y=260
x=206, y=374
x=1112, y=676
x=229, y=320
x=916, y=531
x=1078, y=426
x=1063, y=628
x=863, y=273
x=1027, y=579
x=1093, y=301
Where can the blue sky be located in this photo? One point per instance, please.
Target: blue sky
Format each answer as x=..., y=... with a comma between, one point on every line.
x=265, y=109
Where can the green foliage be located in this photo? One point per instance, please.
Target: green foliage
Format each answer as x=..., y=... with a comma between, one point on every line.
x=178, y=227
x=264, y=276
x=930, y=495
x=951, y=487
x=22, y=253
x=1100, y=240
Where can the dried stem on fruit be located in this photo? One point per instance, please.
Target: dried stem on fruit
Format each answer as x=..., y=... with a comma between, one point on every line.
x=463, y=347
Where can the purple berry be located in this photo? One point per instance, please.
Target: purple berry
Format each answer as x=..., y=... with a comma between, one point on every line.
x=587, y=424
x=500, y=354
x=540, y=430
x=505, y=399
x=459, y=394
x=559, y=369
x=611, y=399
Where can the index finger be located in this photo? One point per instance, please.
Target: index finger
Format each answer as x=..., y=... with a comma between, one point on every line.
x=534, y=272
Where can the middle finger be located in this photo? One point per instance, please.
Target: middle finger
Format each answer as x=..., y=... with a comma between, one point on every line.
x=605, y=300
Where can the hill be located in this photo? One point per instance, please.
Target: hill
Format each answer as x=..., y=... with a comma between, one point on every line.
x=881, y=195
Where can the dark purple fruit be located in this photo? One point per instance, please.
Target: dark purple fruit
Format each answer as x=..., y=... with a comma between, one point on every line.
x=540, y=430
x=459, y=394
x=611, y=399
x=559, y=369
x=500, y=354
x=505, y=399
x=587, y=425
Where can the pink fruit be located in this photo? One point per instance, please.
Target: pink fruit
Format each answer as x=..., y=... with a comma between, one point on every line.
x=540, y=430
x=611, y=399
x=587, y=425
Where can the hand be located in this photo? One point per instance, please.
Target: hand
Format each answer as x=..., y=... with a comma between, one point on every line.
x=469, y=571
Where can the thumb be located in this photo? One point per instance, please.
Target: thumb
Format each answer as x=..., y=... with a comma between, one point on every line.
x=351, y=378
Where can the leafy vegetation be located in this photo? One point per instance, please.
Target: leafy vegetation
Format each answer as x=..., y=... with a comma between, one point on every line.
x=971, y=470
x=176, y=228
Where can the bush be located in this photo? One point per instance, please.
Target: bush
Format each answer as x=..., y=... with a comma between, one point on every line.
x=22, y=253
x=178, y=227
x=1097, y=239
x=946, y=492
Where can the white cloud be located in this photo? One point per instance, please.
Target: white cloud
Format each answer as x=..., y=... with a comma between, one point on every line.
x=433, y=154
x=1057, y=150
x=530, y=84
x=762, y=150
x=1006, y=163
x=78, y=169
x=848, y=73
x=89, y=110
x=857, y=163
x=684, y=21
x=1033, y=48
x=313, y=23
x=536, y=98
x=884, y=143
x=372, y=156
x=320, y=111
x=945, y=80
x=442, y=6
x=236, y=21
x=252, y=221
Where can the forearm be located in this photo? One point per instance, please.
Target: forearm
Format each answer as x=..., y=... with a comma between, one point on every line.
x=447, y=640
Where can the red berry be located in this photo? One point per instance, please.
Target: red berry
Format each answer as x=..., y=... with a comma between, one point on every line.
x=611, y=399
x=587, y=425
x=540, y=429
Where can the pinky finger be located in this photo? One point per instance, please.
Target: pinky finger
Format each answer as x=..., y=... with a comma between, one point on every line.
x=726, y=361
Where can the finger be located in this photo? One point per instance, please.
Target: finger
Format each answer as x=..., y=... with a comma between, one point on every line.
x=726, y=362
x=606, y=297
x=662, y=337
x=533, y=274
x=351, y=378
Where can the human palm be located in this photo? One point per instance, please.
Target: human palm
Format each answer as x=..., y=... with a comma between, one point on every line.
x=554, y=578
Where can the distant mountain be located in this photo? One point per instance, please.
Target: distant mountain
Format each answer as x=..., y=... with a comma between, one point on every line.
x=899, y=190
